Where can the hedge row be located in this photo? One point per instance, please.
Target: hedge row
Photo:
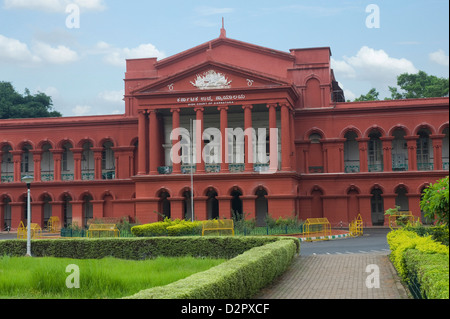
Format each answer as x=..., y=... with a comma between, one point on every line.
x=421, y=258
x=239, y=278
x=137, y=248
x=431, y=271
x=168, y=227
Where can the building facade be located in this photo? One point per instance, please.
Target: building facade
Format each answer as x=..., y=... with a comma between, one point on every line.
x=310, y=153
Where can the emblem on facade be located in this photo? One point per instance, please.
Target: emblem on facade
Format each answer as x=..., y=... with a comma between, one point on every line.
x=211, y=80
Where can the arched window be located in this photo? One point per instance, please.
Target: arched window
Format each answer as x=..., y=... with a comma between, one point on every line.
x=261, y=207
x=315, y=154
x=108, y=161
x=212, y=204
x=445, y=150
x=27, y=163
x=6, y=214
x=375, y=152
x=164, y=205
x=47, y=209
x=236, y=205
x=47, y=164
x=87, y=163
x=88, y=209
x=7, y=165
x=67, y=163
x=377, y=207
x=399, y=151
x=402, y=199
x=67, y=210
x=351, y=153
x=187, y=205
x=425, y=155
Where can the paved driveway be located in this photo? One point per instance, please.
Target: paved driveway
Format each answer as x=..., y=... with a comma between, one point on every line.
x=373, y=241
x=354, y=268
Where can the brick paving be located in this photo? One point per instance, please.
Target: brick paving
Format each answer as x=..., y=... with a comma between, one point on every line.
x=336, y=277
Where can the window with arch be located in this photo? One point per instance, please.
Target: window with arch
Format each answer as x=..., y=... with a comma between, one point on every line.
x=67, y=210
x=6, y=214
x=108, y=161
x=87, y=162
x=351, y=153
x=316, y=164
x=88, y=209
x=67, y=163
x=445, y=150
x=375, y=152
x=187, y=205
x=47, y=209
x=47, y=164
x=27, y=163
x=425, y=155
x=164, y=205
x=7, y=165
x=399, y=151
x=402, y=199
x=212, y=204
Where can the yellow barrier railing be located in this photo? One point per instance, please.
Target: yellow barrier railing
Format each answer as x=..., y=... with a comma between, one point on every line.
x=54, y=225
x=218, y=226
x=356, y=227
x=21, y=231
x=103, y=230
x=35, y=231
x=402, y=219
x=319, y=227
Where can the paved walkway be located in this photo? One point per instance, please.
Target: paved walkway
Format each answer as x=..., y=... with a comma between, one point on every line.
x=336, y=277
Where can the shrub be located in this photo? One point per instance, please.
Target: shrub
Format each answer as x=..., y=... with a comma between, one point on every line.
x=430, y=253
x=239, y=278
x=438, y=233
x=137, y=248
x=435, y=201
x=167, y=228
x=431, y=271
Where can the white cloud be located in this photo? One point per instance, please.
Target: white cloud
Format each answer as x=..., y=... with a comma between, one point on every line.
x=343, y=69
x=112, y=96
x=58, y=6
x=373, y=66
x=14, y=51
x=17, y=52
x=117, y=56
x=81, y=110
x=209, y=11
x=440, y=58
x=58, y=55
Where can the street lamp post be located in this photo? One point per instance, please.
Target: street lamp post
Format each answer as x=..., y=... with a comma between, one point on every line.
x=28, y=180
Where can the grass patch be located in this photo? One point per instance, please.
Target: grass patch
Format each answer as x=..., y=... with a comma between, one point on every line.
x=108, y=278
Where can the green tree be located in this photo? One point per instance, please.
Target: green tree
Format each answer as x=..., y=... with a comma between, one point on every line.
x=14, y=105
x=371, y=96
x=420, y=85
x=435, y=201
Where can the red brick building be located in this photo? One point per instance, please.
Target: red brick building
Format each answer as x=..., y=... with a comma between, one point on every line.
x=336, y=159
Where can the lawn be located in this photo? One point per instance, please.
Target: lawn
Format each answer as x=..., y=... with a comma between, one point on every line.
x=108, y=278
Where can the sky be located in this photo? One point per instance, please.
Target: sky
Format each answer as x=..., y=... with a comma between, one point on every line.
x=75, y=50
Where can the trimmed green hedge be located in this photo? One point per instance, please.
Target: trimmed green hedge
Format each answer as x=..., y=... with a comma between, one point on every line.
x=168, y=227
x=138, y=248
x=239, y=278
x=254, y=261
x=431, y=271
x=423, y=259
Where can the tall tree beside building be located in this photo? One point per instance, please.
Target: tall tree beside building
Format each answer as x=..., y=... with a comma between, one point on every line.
x=14, y=105
x=420, y=85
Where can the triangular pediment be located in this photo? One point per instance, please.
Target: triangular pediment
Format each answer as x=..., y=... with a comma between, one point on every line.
x=211, y=75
